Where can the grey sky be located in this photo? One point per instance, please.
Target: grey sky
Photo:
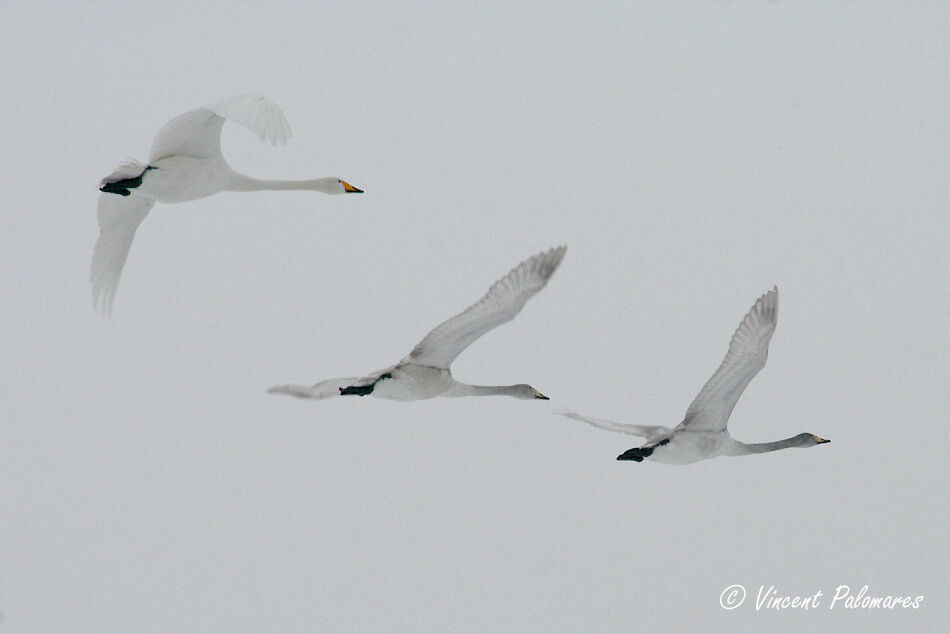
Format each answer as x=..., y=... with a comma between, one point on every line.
x=691, y=157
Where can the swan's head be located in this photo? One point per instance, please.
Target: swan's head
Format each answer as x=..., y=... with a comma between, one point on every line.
x=809, y=440
x=333, y=185
x=527, y=392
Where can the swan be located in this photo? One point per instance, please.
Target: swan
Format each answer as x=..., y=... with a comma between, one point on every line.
x=703, y=434
x=185, y=163
x=425, y=372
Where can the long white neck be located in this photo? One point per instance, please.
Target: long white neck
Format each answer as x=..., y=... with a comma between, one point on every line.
x=464, y=389
x=737, y=448
x=241, y=183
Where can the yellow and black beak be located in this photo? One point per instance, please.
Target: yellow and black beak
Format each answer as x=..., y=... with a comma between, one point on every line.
x=349, y=189
x=821, y=441
x=540, y=396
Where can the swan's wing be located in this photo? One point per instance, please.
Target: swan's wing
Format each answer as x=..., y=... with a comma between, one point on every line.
x=323, y=389
x=256, y=113
x=643, y=431
x=198, y=133
x=119, y=217
x=748, y=352
x=504, y=300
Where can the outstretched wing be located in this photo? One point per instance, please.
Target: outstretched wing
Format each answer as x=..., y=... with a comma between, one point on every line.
x=198, y=133
x=119, y=217
x=324, y=389
x=748, y=352
x=644, y=431
x=504, y=300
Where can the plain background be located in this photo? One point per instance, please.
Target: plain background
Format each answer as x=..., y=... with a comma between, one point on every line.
x=690, y=156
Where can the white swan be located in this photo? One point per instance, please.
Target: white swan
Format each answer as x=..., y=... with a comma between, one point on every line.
x=185, y=163
x=703, y=434
x=425, y=372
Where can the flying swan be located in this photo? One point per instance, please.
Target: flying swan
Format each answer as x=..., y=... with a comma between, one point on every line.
x=185, y=163
x=425, y=372
x=703, y=434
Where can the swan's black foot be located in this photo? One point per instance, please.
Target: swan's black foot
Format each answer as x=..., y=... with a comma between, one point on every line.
x=123, y=186
x=637, y=454
x=363, y=390
x=115, y=188
x=359, y=390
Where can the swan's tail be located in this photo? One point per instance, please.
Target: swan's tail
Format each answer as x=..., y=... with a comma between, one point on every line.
x=126, y=176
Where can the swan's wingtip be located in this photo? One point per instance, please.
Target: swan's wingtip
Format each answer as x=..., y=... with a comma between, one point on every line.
x=101, y=304
x=300, y=391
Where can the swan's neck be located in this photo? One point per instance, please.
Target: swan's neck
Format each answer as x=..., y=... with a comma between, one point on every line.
x=242, y=183
x=737, y=448
x=464, y=389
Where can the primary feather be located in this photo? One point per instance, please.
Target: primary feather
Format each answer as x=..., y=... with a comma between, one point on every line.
x=503, y=301
x=197, y=133
x=748, y=352
x=119, y=217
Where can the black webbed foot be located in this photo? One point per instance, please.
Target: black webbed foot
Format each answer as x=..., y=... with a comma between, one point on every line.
x=115, y=188
x=637, y=454
x=122, y=187
x=363, y=390
x=359, y=390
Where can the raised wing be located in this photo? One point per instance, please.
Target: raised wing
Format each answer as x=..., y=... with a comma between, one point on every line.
x=644, y=431
x=748, y=352
x=119, y=217
x=504, y=300
x=198, y=133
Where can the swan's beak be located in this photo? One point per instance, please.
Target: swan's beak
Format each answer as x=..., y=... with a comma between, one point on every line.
x=821, y=441
x=539, y=395
x=349, y=189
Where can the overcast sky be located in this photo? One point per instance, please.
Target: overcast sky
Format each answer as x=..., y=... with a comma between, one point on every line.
x=690, y=156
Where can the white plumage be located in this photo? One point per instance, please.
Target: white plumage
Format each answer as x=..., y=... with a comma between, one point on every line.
x=425, y=372
x=185, y=163
x=703, y=434
x=501, y=303
x=748, y=352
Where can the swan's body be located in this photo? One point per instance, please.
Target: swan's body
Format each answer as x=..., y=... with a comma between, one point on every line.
x=703, y=433
x=185, y=163
x=425, y=372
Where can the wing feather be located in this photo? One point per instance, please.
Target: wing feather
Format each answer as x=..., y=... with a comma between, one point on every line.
x=197, y=133
x=327, y=388
x=504, y=300
x=645, y=431
x=321, y=390
x=119, y=217
x=748, y=352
